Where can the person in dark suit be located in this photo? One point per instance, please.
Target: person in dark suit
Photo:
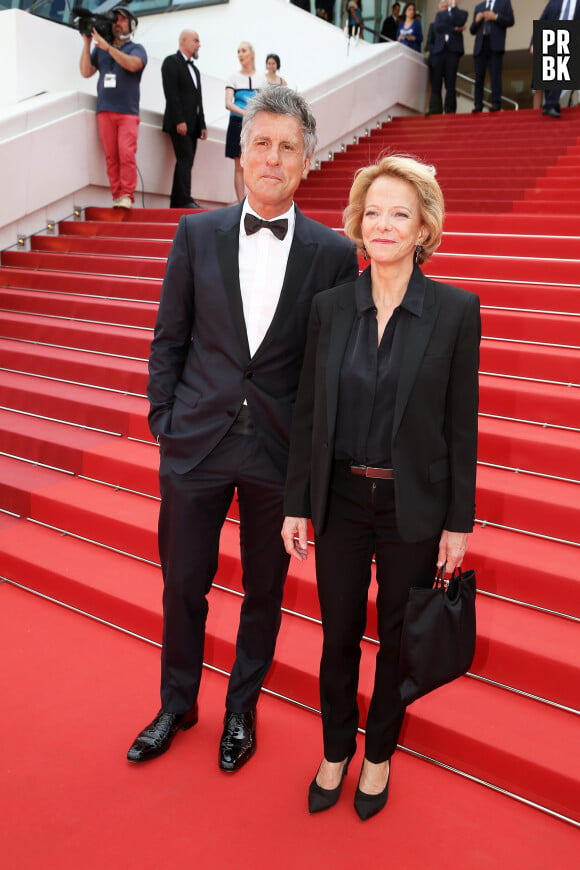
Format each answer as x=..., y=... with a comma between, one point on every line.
x=491, y=18
x=183, y=119
x=382, y=455
x=223, y=373
x=429, y=43
x=391, y=23
x=445, y=55
x=557, y=10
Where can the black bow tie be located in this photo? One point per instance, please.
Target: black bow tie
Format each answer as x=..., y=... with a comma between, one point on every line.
x=252, y=224
x=190, y=62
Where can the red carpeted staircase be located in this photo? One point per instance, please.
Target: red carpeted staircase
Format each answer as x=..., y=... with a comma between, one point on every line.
x=78, y=469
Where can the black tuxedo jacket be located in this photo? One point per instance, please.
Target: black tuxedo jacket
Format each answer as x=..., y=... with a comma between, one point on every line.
x=444, y=25
x=434, y=441
x=184, y=101
x=389, y=28
x=497, y=29
x=200, y=367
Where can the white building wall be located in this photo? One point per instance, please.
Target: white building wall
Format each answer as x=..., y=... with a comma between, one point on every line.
x=50, y=157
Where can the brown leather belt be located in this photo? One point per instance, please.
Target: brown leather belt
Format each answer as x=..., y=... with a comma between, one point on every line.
x=243, y=424
x=367, y=471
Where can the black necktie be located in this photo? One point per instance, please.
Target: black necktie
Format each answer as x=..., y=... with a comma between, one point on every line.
x=252, y=224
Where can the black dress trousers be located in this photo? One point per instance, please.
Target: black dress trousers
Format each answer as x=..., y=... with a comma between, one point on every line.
x=362, y=523
x=193, y=509
x=184, y=148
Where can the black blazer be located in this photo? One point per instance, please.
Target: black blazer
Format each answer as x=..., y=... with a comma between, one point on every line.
x=497, y=29
x=444, y=25
x=434, y=443
x=200, y=368
x=389, y=28
x=184, y=102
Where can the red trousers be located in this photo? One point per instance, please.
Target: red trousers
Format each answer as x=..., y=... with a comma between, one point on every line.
x=118, y=135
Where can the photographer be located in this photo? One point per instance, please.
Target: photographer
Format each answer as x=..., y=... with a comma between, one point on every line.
x=120, y=64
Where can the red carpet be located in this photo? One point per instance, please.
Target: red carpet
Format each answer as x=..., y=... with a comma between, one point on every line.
x=78, y=470
x=70, y=800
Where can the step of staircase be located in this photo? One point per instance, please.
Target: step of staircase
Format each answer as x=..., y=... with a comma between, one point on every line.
x=88, y=406
x=142, y=248
x=494, y=268
x=76, y=366
x=141, y=229
x=142, y=289
x=544, y=328
x=93, y=264
x=75, y=306
x=535, y=401
x=129, y=341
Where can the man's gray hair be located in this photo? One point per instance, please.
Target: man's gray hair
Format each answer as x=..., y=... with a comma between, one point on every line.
x=280, y=100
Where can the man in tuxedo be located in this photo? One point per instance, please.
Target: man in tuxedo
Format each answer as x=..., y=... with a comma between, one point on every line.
x=391, y=23
x=491, y=18
x=183, y=118
x=445, y=55
x=557, y=10
x=223, y=375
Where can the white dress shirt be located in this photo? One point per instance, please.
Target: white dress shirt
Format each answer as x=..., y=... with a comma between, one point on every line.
x=190, y=68
x=262, y=263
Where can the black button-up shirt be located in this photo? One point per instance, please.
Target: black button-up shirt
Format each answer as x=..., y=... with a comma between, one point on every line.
x=369, y=377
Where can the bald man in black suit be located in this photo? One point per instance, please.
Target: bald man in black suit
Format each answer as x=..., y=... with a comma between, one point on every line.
x=183, y=119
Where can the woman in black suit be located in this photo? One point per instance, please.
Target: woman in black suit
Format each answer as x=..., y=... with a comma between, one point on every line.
x=382, y=455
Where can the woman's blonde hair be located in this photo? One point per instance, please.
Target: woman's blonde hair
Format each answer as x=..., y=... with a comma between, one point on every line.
x=420, y=176
x=249, y=46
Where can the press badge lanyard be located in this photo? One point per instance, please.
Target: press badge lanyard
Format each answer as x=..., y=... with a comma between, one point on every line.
x=110, y=78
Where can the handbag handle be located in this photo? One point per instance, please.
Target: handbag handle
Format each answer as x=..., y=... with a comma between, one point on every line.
x=450, y=587
x=441, y=582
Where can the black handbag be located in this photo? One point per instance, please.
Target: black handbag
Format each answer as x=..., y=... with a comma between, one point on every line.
x=438, y=637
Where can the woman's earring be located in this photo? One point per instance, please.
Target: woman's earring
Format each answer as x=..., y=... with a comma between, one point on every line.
x=418, y=249
x=364, y=253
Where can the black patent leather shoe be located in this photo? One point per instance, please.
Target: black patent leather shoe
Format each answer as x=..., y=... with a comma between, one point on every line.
x=238, y=742
x=156, y=738
x=320, y=799
x=368, y=805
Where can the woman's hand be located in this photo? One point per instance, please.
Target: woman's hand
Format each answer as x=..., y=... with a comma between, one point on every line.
x=294, y=537
x=452, y=547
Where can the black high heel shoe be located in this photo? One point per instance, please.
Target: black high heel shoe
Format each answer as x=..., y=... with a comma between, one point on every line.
x=319, y=798
x=368, y=805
